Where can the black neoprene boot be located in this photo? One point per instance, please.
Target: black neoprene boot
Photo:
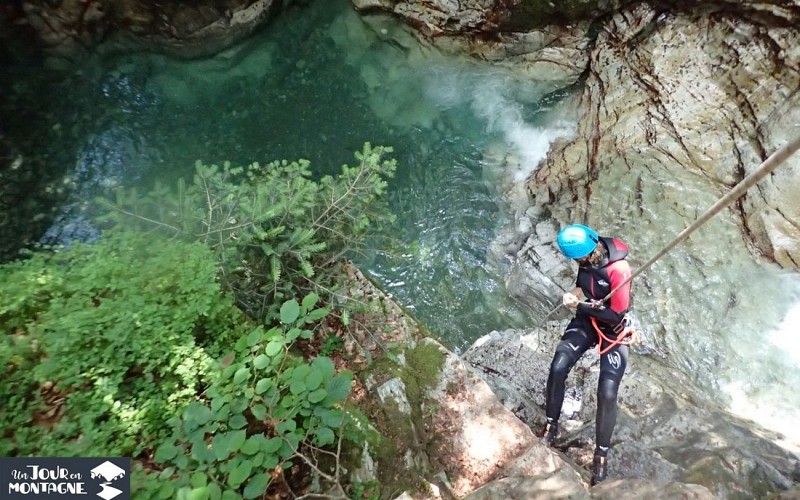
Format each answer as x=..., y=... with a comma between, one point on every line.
x=599, y=468
x=550, y=433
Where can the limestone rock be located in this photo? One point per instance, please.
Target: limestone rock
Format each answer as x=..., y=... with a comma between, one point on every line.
x=183, y=29
x=663, y=432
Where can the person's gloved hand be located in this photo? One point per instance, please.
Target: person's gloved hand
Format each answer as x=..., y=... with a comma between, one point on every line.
x=570, y=300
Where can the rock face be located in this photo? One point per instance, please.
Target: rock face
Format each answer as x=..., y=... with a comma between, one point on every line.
x=662, y=434
x=655, y=116
x=662, y=133
x=488, y=17
x=445, y=433
x=659, y=115
x=183, y=28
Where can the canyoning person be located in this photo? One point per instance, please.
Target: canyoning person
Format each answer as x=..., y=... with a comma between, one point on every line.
x=602, y=266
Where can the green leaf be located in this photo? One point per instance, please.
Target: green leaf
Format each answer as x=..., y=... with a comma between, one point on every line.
x=293, y=334
x=273, y=348
x=286, y=427
x=316, y=315
x=264, y=385
x=274, y=333
x=310, y=301
x=271, y=461
x=297, y=387
x=219, y=446
x=198, y=413
x=339, y=387
x=235, y=440
x=324, y=436
x=240, y=473
x=198, y=480
x=166, y=451
x=215, y=492
x=318, y=395
x=237, y=421
x=241, y=375
x=256, y=486
x=253, y=444
x=167, y=490
x=254, y=337
x=262, y=361
x=301, y=372
x=331, y=418
x=259, y=411
x=290, y=310
x=230, y=495
x=324, y=366
x=314, y=378
x=271, y=445
x=166, y=473
x=200, y=451
x=201, y=493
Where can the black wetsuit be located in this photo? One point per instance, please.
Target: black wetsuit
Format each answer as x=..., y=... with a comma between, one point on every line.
x=580, y=335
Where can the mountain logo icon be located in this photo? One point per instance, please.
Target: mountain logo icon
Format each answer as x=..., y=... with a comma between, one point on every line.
x=109, y=472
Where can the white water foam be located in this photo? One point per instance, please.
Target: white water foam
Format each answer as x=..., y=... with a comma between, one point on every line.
x=492, y=98
x=787, y=335
x=774, y=405
x=504, y=115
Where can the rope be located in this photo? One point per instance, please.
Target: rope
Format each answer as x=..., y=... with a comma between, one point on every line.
x=766, y=167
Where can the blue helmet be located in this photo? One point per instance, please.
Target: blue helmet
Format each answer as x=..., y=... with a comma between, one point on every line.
x=577, y=241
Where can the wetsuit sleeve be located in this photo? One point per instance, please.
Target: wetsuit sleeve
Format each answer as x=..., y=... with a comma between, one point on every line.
x=615, y=310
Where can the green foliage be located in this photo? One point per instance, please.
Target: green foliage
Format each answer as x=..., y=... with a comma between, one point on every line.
x=126, y=330
x=265, y=405
x=331, y=345
x=275, y=230
x=129, y=346
x=365, y=491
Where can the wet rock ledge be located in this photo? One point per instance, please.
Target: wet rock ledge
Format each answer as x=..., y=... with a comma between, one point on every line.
x=465, y=426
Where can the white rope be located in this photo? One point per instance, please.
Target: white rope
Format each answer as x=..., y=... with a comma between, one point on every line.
x=766, y=167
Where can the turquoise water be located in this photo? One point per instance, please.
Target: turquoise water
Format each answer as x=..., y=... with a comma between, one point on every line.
x=317, y=84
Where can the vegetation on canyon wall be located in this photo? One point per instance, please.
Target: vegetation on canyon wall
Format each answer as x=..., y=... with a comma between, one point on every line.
x=196, y=335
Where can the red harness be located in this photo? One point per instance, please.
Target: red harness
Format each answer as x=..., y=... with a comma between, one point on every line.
x=626, y=336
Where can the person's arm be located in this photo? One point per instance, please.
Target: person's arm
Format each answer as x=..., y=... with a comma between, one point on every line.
x=613, y=313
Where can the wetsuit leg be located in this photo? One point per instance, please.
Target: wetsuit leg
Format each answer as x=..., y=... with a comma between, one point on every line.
x=575, y=341
x=612, y=367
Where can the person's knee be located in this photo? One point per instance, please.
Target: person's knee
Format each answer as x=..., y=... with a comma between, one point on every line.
x=607, y=390
x=561, y=365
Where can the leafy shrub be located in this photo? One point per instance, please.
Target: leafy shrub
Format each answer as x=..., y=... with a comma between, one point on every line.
x=128, y=335
x=125, y=329
x=275, y=230
x=264, y=408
